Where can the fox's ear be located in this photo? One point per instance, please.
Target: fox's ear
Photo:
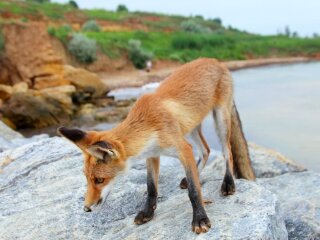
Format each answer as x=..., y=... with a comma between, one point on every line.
x=73, y=134
x=103, y=151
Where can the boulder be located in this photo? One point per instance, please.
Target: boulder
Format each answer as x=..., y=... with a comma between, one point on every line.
x=298, y=195
x=10, y=139
x=85, y=81
x=265, y=162
x=42, y=108
x=5, y=92
x=42, y=190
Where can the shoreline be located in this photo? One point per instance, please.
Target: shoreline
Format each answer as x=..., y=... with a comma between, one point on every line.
x=138, y=78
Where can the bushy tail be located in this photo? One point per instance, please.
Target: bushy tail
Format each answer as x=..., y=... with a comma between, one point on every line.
x=239, y=148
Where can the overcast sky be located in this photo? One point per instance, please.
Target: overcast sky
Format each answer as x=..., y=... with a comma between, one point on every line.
x=264, y=16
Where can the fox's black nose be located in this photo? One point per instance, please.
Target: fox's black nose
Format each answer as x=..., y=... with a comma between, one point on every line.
x=87, y=209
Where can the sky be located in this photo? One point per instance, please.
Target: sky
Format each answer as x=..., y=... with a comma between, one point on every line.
x=263, y=17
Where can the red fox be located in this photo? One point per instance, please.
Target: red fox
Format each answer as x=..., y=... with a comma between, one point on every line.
x=157, y=125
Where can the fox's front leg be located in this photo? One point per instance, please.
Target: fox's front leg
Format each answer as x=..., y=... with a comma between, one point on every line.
x=200, y=221
x=152, y=182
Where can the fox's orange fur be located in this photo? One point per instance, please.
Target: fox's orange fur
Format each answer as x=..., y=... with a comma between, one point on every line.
x=158, y=124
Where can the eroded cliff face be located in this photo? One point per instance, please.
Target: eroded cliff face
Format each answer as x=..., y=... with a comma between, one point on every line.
x=52, y=92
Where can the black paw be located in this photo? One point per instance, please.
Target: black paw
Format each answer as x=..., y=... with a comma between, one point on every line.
x=228, y=187
x=201, y=224
x=184, y=183
x=143, y=217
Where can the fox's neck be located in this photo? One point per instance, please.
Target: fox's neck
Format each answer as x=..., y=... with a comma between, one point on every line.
x=132, y=136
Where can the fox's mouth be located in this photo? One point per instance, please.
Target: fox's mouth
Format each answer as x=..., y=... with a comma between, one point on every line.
x=97, y=205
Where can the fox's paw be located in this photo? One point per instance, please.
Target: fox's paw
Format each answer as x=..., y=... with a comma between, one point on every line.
x=143, y=217
x=201, y=224
x=228, y=187
x=184, y=183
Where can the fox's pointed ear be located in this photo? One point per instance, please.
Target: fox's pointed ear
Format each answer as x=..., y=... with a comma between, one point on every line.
x=103, y=151
x=73, y=134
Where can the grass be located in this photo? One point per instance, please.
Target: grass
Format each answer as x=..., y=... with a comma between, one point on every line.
x=184, y=47
x=54, y=11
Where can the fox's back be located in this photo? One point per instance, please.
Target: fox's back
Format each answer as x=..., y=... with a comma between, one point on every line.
x=194, y=89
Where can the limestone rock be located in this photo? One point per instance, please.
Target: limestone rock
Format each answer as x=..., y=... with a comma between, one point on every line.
x=298, y=195
x=42, y=189
x=85, y=81
x=5, y=92
x=38, y=109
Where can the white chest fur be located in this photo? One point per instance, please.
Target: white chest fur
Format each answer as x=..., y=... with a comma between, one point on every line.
x=153, y=149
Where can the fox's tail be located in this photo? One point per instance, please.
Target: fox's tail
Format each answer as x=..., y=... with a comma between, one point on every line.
x=239, y=148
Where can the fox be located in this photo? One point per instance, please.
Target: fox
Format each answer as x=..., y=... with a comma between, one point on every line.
x=158, y=124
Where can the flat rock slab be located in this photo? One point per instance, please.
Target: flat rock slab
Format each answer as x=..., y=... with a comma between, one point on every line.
x=42, y=191
x=299, y=198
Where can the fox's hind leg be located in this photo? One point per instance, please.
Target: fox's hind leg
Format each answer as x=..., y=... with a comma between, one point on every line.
x=152, y=182
x=203, y=149
x=223, y=125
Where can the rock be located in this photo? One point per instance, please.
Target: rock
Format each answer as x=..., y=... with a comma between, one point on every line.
x=85, y=81
x=10, y=139
x=298, y=195
x=265, y=162
x=5, y=91
x=42, y=190
x=37, y=109
x=20, y=87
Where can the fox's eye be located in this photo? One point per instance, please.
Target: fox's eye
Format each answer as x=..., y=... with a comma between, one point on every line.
x=98, y=180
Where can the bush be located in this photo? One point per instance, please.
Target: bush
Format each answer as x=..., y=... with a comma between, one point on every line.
x=1, y=40
x=192, y=26
x=122, y=8
x=137, y=55
x=73, y=4
x=62, y=33
x=217, y=21
x=91, y=26
x=83, y=48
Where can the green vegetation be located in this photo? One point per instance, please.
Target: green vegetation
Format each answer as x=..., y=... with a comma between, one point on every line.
x=137, y=55
x=122, y=8
x=83, y=48
x=62, y=33
x=1, y=40
x=194, y=27
x=91, y=26
x=177, y=38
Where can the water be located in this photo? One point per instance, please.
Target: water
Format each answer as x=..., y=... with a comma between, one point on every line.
x=279, y=107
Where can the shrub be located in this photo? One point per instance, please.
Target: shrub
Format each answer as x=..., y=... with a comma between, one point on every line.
x=122, y=8
x=73, y=4
x=91, y=26
x=193, y=26
x=1, y=40
x=137, y=55
x=217, y=21
x=62, y=33
x=83, y=48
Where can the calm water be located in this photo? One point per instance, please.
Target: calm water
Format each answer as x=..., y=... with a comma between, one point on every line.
x=279, y=107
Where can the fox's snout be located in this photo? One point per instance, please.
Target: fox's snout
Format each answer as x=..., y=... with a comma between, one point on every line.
x=87, y=209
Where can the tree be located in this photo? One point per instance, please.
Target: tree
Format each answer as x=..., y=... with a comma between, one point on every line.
x=73, y=4
x=122, y=8
x=287, y=31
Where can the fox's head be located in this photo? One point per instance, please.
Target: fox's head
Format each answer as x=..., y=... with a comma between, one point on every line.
x=104, y=159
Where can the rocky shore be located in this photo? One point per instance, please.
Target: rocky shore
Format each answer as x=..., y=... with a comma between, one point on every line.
x=42, y=189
